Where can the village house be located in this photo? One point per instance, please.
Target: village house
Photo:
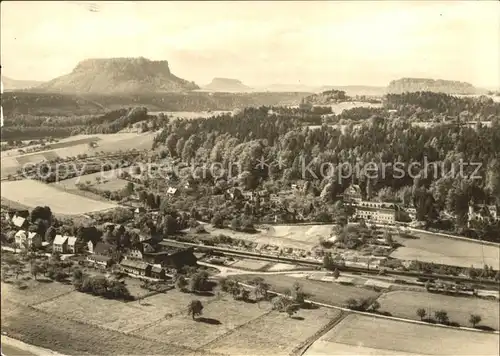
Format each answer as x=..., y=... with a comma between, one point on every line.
x=158, y=272
x=20, y=222
x=73, y=245
x=101, y=248
x=172, y=191
x=34, y=240
x=172, y=255
x=100, y=261
x=136, y=267
x=353, y=194
x=482, y=212
x=140, y=210
x=60, y=244
x=21, y=237
x=233, y=194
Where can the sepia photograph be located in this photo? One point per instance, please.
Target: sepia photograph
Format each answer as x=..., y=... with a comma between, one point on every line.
x=239, y=178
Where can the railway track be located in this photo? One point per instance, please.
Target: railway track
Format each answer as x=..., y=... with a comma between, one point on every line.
x=309, y=263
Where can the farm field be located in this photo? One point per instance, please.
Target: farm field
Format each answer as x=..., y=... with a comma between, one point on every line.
x=404, y=304
x=32, y=193
x=274, y=333
x=110, y=181
x=365, y=335
x=191, y=114
x=433, y=248
x=69, y=337
x=107, y=143
x=73, y=322
x=323, y=292
x=116, y=315
x=37, y=292
x=220, y=317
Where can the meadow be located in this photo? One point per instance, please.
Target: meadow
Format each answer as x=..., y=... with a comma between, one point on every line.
x=318, y=291
x=365, y=335
x=404, y=304
x=428, y=247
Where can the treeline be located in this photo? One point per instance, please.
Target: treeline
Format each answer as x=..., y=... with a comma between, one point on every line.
x=30, y=127
x=440, y=103
x=48, y=104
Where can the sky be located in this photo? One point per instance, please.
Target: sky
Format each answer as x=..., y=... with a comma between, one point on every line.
x=260, y=43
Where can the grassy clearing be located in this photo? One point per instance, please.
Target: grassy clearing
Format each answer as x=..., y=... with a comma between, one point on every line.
x=274, y=333
x=404, y=304
x=369, y=336
x=434, y=248
x=32, y=193
x=253, y=265
x=323, y=292
x=220, y=317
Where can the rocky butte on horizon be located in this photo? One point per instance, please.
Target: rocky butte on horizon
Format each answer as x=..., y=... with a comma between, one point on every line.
x=226, y=84
x=436, y=85
x=119, y=75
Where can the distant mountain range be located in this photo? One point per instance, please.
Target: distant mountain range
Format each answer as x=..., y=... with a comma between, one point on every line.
x=141, y=75
x=13, y=84
x=118, y=75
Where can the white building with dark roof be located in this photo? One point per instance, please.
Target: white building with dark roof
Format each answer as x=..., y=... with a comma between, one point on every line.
x=60, y=244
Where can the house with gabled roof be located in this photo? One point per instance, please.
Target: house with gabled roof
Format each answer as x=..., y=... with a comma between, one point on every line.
x=34, y=240
x=136, y=267
x=19, y=222
x=353, y=193
x=21, y=238
x=60, y=244
x=100, y=261
x=73, y=245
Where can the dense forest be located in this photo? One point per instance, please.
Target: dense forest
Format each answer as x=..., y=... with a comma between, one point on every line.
x=463, y=164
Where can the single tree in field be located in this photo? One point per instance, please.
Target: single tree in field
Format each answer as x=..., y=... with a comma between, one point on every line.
x=375, y=306
x=351, y=303
x=194, y=308
x=441, y=316
x=421, y=313
x=260, y=291
x=474, y=320
x=292, y=309
x=18, y=269
x=336, y=273
x=35, y=270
